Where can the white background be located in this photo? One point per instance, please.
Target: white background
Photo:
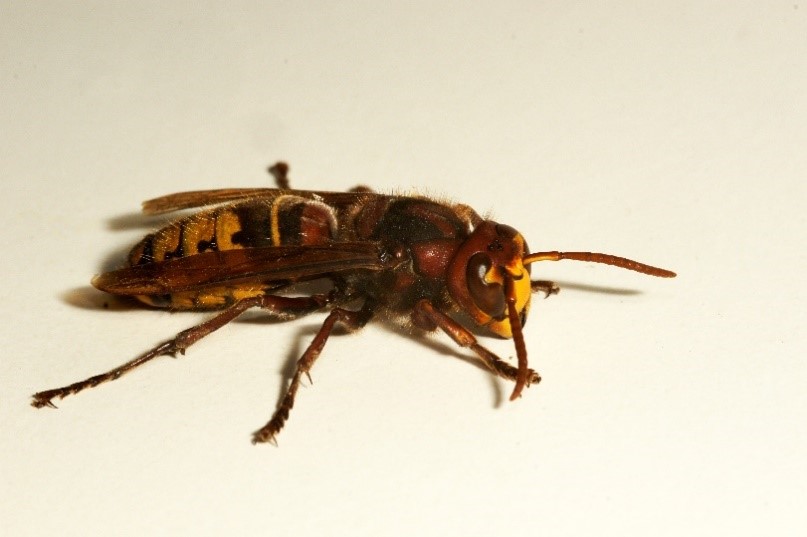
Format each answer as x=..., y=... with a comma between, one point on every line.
x=671, y=132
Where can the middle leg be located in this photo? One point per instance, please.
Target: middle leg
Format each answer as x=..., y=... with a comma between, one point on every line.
x=353, y=320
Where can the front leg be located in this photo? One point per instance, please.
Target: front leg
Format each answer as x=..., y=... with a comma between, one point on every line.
x=427, y=317
x=549, y=288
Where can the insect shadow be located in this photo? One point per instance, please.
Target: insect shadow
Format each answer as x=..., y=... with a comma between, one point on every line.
x=87, y=297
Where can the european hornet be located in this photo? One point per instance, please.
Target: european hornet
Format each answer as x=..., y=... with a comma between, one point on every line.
x=411, y=258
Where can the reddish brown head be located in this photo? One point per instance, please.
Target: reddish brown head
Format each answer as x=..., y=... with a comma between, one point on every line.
x=478, y=273
x=489, y=278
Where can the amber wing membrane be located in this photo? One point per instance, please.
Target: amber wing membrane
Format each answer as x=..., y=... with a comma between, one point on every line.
x=251, y=265
x=201, y=198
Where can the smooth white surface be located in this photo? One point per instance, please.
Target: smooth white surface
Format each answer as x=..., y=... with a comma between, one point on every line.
x=671, y=132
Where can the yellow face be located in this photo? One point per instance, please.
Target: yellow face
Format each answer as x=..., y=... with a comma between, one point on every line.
x=520, y=276
x=490, y=261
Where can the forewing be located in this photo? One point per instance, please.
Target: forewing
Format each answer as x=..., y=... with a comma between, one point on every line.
x=249, y=265
x=201, y=198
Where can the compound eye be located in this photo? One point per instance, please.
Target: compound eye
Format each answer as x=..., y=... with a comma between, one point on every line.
x=488, y=297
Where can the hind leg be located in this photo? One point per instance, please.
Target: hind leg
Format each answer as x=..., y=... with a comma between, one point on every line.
x=281, y=305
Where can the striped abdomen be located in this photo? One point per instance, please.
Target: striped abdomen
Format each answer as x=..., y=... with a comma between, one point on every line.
x=283, y=220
